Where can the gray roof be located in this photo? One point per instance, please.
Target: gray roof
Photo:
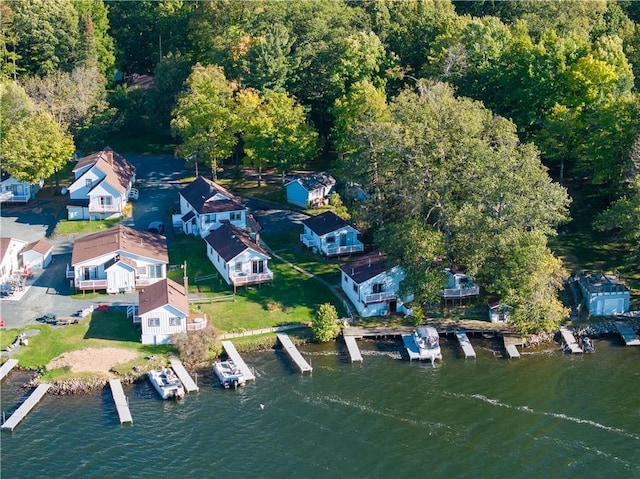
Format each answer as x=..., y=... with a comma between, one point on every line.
x=316, y=180
x=325, y=223
x=201, y=189
x=229, y=241
x=366, y=267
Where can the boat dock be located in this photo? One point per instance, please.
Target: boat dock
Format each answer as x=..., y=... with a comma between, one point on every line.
x=411, y=346
x=237, y=359
x=26, y=407
x=188, y=383
x=628, y=334
x=465, y=344
x=510, y=346
x=121, y=402
x=293, y=353
x=352, y=347
x=570, y=341
x=6, y=367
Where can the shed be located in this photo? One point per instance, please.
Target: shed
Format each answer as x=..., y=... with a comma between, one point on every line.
x=604, y=295
x=311, y=190
x=37, y=255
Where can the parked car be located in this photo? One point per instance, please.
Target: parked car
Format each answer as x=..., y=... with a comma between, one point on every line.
x=156, y=227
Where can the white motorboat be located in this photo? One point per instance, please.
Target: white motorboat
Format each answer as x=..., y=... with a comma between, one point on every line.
x=424, y=343
x=166, y=383
x=228, y=373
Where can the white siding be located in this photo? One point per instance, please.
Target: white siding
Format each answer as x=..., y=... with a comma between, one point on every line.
x=162, y=333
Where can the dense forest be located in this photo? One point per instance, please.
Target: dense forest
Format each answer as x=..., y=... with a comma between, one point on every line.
x=463, y=125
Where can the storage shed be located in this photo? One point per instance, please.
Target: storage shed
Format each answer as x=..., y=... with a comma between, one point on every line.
x=604, y=295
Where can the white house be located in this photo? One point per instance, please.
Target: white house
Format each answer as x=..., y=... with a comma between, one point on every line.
x=372, y=286
x=499, y=312
x=205, y=205
x=239, y=259
x=10, y=259
x=118, y=259
x=330, y=235
x=103, y=183
x=163, y=310
x=37, y=255
x=16, y=191
x=311, y=190
x=604, y=295
x=459, y=286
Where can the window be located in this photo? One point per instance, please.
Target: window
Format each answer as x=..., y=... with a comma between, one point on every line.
x=175, y=321
x=355, y=287
x=155, y=271
x=88, y=183
x=238, y=266
x=209, y=218
x=344, y=278
x=377, y=288
x=235, y=216
x=153, y=322
x=257, y=266
x=105, y=200
x=331, y=239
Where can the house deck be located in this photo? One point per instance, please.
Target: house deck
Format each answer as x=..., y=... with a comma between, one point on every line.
x=232, y=352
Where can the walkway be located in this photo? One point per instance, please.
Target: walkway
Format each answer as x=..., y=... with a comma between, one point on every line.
x=6, y=367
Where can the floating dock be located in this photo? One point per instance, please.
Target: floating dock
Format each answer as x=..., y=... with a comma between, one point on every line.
x=412, y=348
x=188, y=383
x=6, y=367
x=510, y=347
x=352, y=347
x=121, y=402
x=628, y=334
x=570, y=341
x=237, y=359
x=293, y=353
x=26, y=407
x=465, y=344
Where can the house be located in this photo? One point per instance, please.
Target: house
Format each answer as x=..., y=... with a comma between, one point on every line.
x=205, y=205
x=330, y=235
x=311, y=190
x=37, y=255
x=498, y=311
x=10, y=259
x=16, y=191
x=459, y=286
x=603, y=295
x=239, y=259
x=163, y=310
x=372, y=286
x=103, y=183
x=119, y=259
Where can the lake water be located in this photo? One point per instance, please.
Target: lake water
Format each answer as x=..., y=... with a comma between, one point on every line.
x=546, y=414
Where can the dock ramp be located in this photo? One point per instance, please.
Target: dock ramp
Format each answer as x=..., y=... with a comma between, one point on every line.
x=6, y=367
x=188, y=383
x=570, y=342
x=465, y=344
x=510, y=347
x=293, y=353
x=233, y=354
x=26, y=407
x=121, y=402
x=352, y=347
x=628, y=335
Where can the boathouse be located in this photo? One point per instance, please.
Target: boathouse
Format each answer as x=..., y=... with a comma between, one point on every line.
x=604, y=295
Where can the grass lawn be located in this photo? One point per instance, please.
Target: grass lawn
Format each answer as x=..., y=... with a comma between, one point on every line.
x=66, y=227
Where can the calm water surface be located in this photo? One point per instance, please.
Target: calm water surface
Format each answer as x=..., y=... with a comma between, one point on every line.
x=544, y=415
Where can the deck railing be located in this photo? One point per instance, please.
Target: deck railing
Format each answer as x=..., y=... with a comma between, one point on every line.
x=308, y=241
x=245, y=278
x=9, y=197
x=461, y=292
x=91, y=284
x=353, y=248
x=197, y=325
x=379, y=297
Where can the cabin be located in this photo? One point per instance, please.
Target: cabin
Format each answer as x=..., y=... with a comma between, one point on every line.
x=311, y=190
x=330, y=235
x=372, y=285
x=118, y=260
x=163, y=311
x=604, y=295
x=37, y=255
x=13, y=190
x=239, y=259
x=459, y=286
x=205, y=205
x=102, y=186
x=499, y=312
x=10, y=259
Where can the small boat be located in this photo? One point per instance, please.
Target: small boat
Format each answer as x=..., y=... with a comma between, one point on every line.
x=424, y=343
x=228, y=373
x=166, y=383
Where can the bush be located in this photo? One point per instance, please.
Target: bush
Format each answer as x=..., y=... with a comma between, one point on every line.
x=195, y=347
x=324, y=325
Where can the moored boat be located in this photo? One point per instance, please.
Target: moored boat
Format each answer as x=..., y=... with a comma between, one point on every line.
x=167, y=383
x=228, y=373
x=427, y=340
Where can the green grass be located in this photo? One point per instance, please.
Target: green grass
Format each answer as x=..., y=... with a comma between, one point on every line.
x=66, y=227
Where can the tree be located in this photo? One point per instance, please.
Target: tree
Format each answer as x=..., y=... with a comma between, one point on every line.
x=204, y=117
x=168, y=81
x=36, y=148
x=15, y=105
x=8, y=43
x=195, y=347
x=324, y=324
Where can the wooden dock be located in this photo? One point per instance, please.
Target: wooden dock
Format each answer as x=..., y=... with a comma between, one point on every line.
x=26, y=407
x=121, y=402
x=352, y=347
x=628, y=334
x=188, y=383
x=293, y=353
x=465, y=344
x=6, y=367
x=510, y=347
x=237, y=359
x=570, y=341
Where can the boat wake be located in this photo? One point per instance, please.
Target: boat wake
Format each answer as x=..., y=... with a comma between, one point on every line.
x=577, y=420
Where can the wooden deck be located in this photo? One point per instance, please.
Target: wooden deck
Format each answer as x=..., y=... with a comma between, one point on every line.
x=465, y=344
x=188, y=383
x=233, y=354
x=121, y=402
x=26, y=407
x=570, y=341
x=7, y=367
x=293, y=353
x=352, y=347
x=628, y=334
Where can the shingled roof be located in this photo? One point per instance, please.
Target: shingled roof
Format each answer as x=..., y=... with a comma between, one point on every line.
x=316, y=180
x=40, y=246
x=366, y=267
x=229, y=241
x=120, y=238
x=162, y=293
x=200, y=195
x=325, y=223
x=118, y=171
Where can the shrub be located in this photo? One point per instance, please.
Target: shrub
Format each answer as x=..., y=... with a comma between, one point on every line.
x=196, y=346
x=325, y=323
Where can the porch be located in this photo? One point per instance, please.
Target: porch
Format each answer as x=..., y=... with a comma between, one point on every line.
x=241, y=279
x=379, y=297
